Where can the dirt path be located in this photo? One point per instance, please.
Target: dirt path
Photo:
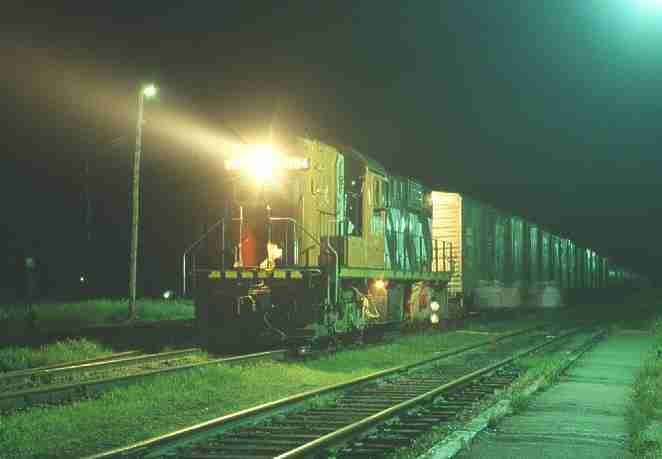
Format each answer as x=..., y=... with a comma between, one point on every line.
x=580, y=417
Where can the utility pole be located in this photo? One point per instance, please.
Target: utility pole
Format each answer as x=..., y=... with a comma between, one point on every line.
x=146, y=91
x=86, y=271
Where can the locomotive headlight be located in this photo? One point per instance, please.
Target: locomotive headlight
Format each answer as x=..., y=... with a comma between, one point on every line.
x=262, y=162
x=434, y=318
x=434, y=306
x=380, y=284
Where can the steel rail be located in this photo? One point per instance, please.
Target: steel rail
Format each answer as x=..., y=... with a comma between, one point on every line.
x=120, y=361
x=162, y=440
x=27, y=397
x=27, y=372
x=353, y=429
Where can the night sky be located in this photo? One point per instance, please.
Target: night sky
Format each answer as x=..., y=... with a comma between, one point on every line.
x=551, y=110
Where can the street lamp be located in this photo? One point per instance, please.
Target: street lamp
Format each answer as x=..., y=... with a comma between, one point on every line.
x=149, y=91
x=649, y=4
x=146, y=92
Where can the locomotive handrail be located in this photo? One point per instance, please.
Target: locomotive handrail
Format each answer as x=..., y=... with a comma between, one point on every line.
x=447, y=259
x=319, y=244
x=296, y=225
x=193, y=246
x=336, y=281
x=413, y=252
x=443, y=262
x=294, y=233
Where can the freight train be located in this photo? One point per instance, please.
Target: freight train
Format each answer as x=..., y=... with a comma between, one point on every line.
x=507, y=261
x=320, y=244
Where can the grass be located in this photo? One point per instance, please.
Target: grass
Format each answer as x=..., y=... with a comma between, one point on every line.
x=124, y=416
x=68, y=316
x=644, y=411
x=21, y=358
x=644, y=414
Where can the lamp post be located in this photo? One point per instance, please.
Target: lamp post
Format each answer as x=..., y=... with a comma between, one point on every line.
x=147, y=91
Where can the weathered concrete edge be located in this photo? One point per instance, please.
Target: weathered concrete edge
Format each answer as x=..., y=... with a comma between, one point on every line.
x=460, y=439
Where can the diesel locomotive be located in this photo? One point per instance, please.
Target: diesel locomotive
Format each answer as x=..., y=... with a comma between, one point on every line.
x=320, y=244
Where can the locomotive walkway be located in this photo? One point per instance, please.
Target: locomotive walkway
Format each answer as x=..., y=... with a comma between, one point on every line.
x=583, y=416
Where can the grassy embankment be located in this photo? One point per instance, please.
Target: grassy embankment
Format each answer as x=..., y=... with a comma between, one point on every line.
x=106, y=311
x=126, y=415
x=21, y=358
x=53, y=317
x=644, y=412
x=68, y=316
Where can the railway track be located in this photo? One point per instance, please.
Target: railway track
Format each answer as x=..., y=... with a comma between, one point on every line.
x=366, y=417
x=443, y=408
x=28, y=372
x=36, y=376
x=65, y=382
